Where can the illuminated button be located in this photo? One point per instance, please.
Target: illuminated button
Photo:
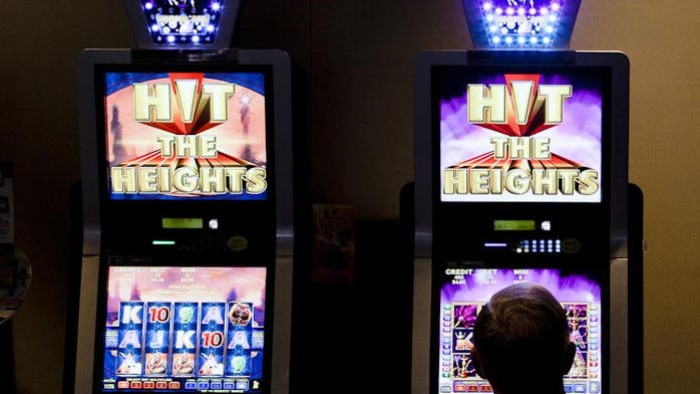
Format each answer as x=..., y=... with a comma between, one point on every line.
x=460, y=387
x=203, y=386
x=161, y=385
x=486, y=388
x=136, y=385
x=190, y=385
x=579, y=388
x=229, y=386
x=123, y=384
x=174, y=385
x=242, y=385
x=216, y=385
x=237, y=243
x=149, y=385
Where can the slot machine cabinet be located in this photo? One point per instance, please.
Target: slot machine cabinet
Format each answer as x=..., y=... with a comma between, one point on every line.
x=188, y=218
x=521, y=175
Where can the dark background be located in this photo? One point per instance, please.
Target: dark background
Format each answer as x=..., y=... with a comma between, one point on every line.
x=353, y=85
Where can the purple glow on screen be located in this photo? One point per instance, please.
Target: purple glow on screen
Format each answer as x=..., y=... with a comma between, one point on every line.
x=480, y=286
x=575, y=140
x=465, y=291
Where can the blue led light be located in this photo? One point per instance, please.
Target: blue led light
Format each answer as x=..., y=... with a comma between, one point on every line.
x=521, y=24
x=176, y=22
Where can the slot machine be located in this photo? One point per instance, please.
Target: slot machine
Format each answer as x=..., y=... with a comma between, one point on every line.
x=187, y=208
x=521, y=176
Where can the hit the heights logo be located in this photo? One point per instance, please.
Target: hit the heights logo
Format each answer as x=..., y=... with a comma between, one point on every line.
x=520, y=161
x=188, y=162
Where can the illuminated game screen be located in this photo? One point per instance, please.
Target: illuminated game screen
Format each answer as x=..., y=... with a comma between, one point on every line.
x=518, y=136
x=184, y=329
x=466, y=290
x=186, y=135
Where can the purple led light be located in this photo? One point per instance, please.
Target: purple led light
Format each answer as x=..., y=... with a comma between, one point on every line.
x=171, y=39
x=215, y=6
x=155, y=27
x=195, y=39
x=148, y=6
x=210, y=28
x=488, y=6
x=510, y=11
x=555, y=6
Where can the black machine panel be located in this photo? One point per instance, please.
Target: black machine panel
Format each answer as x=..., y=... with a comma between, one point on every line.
x=526, y=183
x=183, y=211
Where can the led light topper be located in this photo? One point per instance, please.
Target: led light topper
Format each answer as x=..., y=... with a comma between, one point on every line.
x=521, y=24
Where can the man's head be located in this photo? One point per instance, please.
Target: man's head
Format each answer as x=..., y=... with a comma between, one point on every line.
x=521, y=338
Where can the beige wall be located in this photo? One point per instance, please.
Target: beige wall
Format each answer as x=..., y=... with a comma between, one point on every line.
x=358, y=57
